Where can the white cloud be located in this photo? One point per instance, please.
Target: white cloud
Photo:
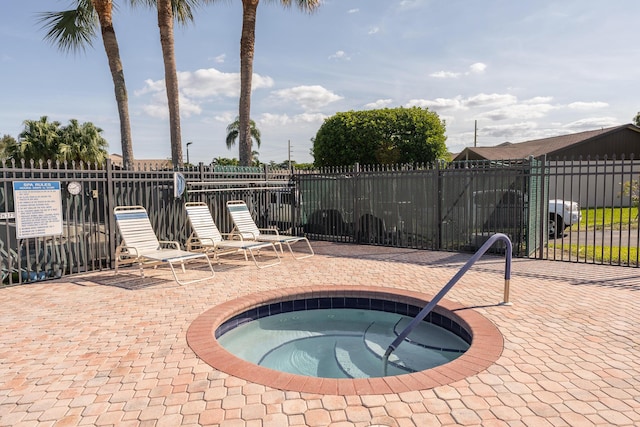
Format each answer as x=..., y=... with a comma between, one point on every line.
x=268, y=119
x=310, y=118
x=490, y=99
x=538, y=100
x=592, y=123
x=156, y=110
x=436, y=104
x=188, y=107
x=226, y=117
x=459, y=103
x=380, y=103
x=341, y=54
x=519, y=111
x=507, y=130
x=220, y=58
x=353, y=10
x=195, y=87
x=374, y=30
x=587, y=105
x=209, y=82
x=158, y=106
x=308, y=97
x=150, y=86
x=445, y=75
x=477, y=68
x=410, y=4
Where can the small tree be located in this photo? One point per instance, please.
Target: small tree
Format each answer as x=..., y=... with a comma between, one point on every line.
x=233, y=131
x=8, y=147
x=636, y=119
x=385, y=136
x=224, y=161
x=631, y=189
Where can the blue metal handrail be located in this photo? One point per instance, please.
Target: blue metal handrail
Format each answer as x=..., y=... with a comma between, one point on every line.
x=427, y=309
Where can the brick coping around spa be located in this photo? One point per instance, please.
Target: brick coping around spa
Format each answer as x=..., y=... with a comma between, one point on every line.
x=486, y=346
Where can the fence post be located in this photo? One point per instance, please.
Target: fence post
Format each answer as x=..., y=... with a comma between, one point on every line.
x=439, y=204
x=110, y=200
x=542, y=206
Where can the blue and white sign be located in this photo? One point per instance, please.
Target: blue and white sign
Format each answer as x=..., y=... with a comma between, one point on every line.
x=38, y=208
x=179, y=184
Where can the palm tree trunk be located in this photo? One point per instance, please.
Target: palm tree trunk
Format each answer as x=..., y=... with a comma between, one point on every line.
x=247, y=44
x=103, y=9
x=165, y=22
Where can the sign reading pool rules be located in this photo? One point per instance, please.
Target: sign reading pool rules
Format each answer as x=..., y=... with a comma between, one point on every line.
x=38, y=207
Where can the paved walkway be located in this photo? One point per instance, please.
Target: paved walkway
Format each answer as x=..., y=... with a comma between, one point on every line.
x=112, y=351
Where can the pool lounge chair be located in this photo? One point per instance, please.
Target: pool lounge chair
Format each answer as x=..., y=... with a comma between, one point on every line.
x=140, y=245
x=207, y=238
x=245, y=226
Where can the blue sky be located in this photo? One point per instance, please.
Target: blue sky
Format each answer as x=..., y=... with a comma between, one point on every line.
x=522, y=70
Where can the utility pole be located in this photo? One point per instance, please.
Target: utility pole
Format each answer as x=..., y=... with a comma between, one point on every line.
x=475, y=135
x=188, y=144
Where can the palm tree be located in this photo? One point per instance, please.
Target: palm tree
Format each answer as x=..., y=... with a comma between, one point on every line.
x=233, y=130
x=39, y=140
x=8, y=147
x=165, y=23
x=247, y=45
x=75, y=29
x=82, y=143
x=181, y=10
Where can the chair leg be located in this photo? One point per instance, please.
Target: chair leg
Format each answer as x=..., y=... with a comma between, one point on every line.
x=310, y=254
x=175, y=276
x=263, y=265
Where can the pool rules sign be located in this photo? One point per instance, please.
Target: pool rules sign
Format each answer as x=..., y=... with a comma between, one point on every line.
x=38, y=207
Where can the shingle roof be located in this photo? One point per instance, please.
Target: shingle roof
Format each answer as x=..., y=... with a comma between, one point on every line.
x=537, y=147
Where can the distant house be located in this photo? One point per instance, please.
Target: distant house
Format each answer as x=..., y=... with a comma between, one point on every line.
x=615, y=141
x=143, y=164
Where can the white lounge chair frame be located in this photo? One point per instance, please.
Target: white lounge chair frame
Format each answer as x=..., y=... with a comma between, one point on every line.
x=206, y=237
x=140, y=245
x=245, y=226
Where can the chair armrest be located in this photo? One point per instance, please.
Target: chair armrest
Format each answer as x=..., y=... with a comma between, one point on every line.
x=123, y=250
x=269, y=231
x=232, y=236
x=198, y=242
x=175, y=244
x=236, y=234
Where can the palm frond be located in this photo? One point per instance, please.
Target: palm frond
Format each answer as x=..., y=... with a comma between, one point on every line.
x=304, y=5
x=182, y=9
x=70, y=30
x=231, y=138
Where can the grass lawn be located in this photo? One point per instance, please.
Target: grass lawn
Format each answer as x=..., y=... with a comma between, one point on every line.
x=603, y=218
x=606, y=217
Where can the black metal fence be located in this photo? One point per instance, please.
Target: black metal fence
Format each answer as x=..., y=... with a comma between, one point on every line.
x=441, y=206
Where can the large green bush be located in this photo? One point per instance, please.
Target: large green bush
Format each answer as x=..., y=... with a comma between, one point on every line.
x=385, y=136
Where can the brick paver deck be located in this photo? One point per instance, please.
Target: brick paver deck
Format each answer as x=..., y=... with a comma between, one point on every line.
x=111, y=350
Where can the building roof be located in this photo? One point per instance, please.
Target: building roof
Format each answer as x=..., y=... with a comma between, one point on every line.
x=539, y=147
x=143, y=164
